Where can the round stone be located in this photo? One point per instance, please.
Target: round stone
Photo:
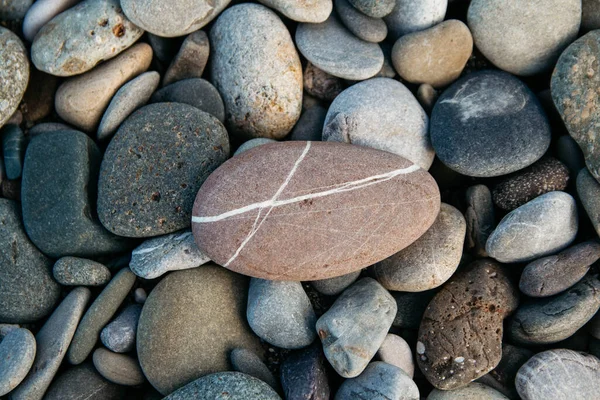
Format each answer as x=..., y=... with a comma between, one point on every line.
x=118, y=368
x=138, y=199
x=73, y=271
x=177, y=344
x=41, y=12
x=119, y=335
x=336, y=285
x=473, y=391
x=588, y=190
x=225, y=386
x=17, y=352
x=362, y=26
x=312, y=11
x=395, y=351
x=83, y=382
x=14, y=73
x=252, y=143
x=489, y=124
x=413, y=16
x=543, y=226
x=379, y=380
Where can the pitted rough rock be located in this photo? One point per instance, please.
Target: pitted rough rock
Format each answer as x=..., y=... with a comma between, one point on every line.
x=14, y=73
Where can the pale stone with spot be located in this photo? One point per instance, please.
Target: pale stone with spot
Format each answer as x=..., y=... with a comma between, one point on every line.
x=395, y=351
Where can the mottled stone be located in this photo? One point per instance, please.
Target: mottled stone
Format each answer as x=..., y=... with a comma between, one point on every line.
x=320, y=84
x=588, y=190
x=227, y=217
x=172, y=252
x=430, y=260
x=118, y=368
x=355, y=326
x=195, y=92
x=303, y=375
x=335, y=50
x=137, y=200
x=76, y=40
x=559, y=374
x=252, y=143
x=413, y=16
x=119, y=335
x=73, y=271
x=52, y=343
x=502, y=378
x=545, y=225
x=98, y=315
x=313, y=11
x=190, y=60
x=355, y=117
x=480, y=217
x=41, y=12
x=14, y=73
x=247, y=362
x=362, y=26
x=83, y=382
x=524, y=38
x=379, y=381
x=336, y=285
x=487, y=124
x=575, y=87
x=411, y=307
x=257, y=70
x=13, y=150
x=59, y=195
x=177, y=344
x=395, y=351
x=460, y=337
x=374, y=9
x=225, y=386
x=436, y=56
x=473, y=391
x=310, y=125
x=82, y=100
x=550, y=275
x=17, y=352
x=27, y=290
x=551, y=320
x=590, y=15
x=131, y=96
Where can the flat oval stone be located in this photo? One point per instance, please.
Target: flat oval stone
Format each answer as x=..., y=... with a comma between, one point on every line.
x=82, y=100
x=362, y=26
x=17, y=352
x=293, y=199
x=137, y=199
x=303, y=375
x=247, y=362
x=225, y=386
x=379, y=381
x=588, y=190
x=395, y=351
x=14, y=72
x=473, y=391
x=431, y=260
x=333, y=286
x=74, y=271
x=257, y=70
x=176, y=344
x=190, y=60
x=551, y=320
x=41, y=12
x=118, y=368
x=545, y=225
x=355, y=117
x=76, y=40
x=179, y=18
x=332, y=48
x=590, y=15
x=413, y=16
x=480, y=217
x=514, y=35
x=460, y=337
x=83, y=382
x=559, y=374
x=313, y=11
x=550, y=275
x=119, y=335
x=27, y=290
x=489, y=124
x=436, y=56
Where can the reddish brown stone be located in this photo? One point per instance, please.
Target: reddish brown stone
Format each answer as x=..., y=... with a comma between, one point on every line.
x=312, y=210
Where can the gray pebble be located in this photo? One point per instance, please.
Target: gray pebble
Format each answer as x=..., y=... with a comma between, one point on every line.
x=502, y=378
x=76, y=40
x=379, y=381
x=73, y=271
x=310, y=124
x=374, y=8
x=335, y=286
x=252, y=143
x=13, y=150
x=473, y=391
x=14, y=10
x=364, y=27
x=140, y=295
x=48, y=127
x=196, y=92
x=588, y=190
x=159, y=255
x=119, y=335
x=190, y=60
x=413, y=16
x=41, y=12
x=247, y=362
x=335, y=50
x=280, y=313
x=17, y=352
x=118, y=368
x=395, y=351
x=302, y=11
x=14, y=73
x=5, y=328
x=410, y=308
x=83, y=383
x=164, y=48
x=480, y=217
x=303, y=375
x=545, y=225
x=131, y=96
x=590, y=15
x=568, y=152
x=351, y=339
x=551, y=320
x=225, y=386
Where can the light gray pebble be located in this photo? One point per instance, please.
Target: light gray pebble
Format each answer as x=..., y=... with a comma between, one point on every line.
x=413, y=16
x=74, y=271
x=310, y=124
x=17, y=352
x=473, y=391
x=364, y=27
x=334, y=286
x=119, y=335
x=313, y=11
x=118, y=368
x=41, y=12
x=252, y=143
x=14, y=144
x=395, y=351
x=247, y=362
x=379, y=381
x=190, y=60
x=14, y=73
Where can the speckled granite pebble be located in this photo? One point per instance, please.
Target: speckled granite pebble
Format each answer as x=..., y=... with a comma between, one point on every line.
x=73, y=271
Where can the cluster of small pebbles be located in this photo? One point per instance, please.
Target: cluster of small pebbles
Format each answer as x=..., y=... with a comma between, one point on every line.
x=300, y=200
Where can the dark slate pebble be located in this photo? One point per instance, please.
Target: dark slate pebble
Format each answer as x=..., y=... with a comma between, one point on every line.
x=83, y=382
x=59, y=196
x=148, y=182
x=310, y=124
x=502, y=378
x=411, y=307
x=303, y=375
x=546, y=175
x=13, y=149
x=489, y=124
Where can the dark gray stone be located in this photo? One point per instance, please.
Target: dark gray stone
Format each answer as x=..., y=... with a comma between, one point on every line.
x=410, y=308
x=119, y=335
x=590, y=15
x=303, y=375
x=73, y=271
x=480, y=217
x=568, y=152
x=14, y=73
x=13, y=150
x=310, y=124
x=225, y=386
x=588, y=190
x=83, y=382
x=337, y=285
x=379, y=381
x=247, y=362
x=195, y=92
x=363, y=26
x=502, y=378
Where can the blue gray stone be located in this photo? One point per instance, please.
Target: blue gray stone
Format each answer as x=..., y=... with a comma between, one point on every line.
x=379, y=381
x=252, y=143
x=412, y=16
x=225, y=386
x=334, y=286
x=17, y=352
x=303, y=375
x=363, y=26
x=13, y=150
x=119, y=335
x=83, y=382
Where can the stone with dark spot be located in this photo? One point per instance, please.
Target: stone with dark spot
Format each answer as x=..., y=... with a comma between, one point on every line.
x=488, y=124
x=546, y=175
x=480, y=217
x=148, y=182
x=460, y=337
x=225, y=386
x=272, y=210
x=380, y=380
x=303, y=375
x=83, y=382
x=320, y=84
x=14, y=73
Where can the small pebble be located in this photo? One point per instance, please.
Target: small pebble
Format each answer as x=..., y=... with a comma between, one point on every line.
x=190, y=60
x=119, y=335
x=252, y=143
x=140, y=295
x=118, y=368
x=427, y=96
x=320, y=84
x=73, y=271
x=304, y=376
x=395, y=351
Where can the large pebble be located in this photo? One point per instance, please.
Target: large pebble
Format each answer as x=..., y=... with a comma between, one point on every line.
x=41, y=12
x=460, y=337
x=119, y=335
x=395, y=351
x=473, y=391
x=14, y=73
x=74, y=271
x=364, y=27
x=257, y=70
x=588, y=190
x=177, y=344
x=76, y=40
x=303, y=375
x=225, y=386
x=336, y=285
x=280, y=313
x=313, y=11
x=355, y=117
x=551, y=320
x=355, y=326
x=487, y=124
x=590, y=15
x=248, y=362
x=148, y=182
x=58, y=197
x=431, y=260
x=27, y=290
x=559, y=374
x=335, y=50
x=83, y=382
x=379, y=381
x=17, y=352
x=545, y=225
x=190, y=60
x=575, y=86
x=172, y=252
x=98, y=315
x=118, y=368
x=52, y=343
x=82, y=100
x=524, y=38
x=413, y=16
x=480, y=217
x=550, y=275
x=233, y=226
